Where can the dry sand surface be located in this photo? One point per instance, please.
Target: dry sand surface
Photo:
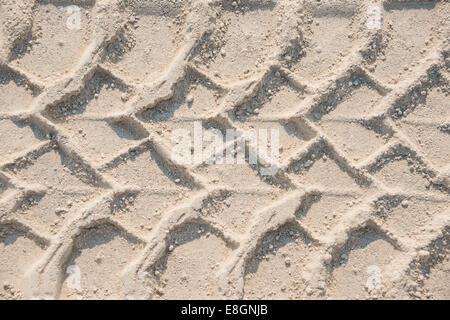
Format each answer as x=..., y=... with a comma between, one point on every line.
x=93, y=206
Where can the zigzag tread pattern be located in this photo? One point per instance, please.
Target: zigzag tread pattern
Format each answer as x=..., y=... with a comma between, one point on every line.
x=88, y=187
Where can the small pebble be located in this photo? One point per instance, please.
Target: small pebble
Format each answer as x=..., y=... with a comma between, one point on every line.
x=405, y=203
x=287, y=261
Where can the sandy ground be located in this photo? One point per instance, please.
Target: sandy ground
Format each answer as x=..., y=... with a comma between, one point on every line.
x=92, y=206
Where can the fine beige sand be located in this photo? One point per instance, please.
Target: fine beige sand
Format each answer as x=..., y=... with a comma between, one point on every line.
x=93, y=206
